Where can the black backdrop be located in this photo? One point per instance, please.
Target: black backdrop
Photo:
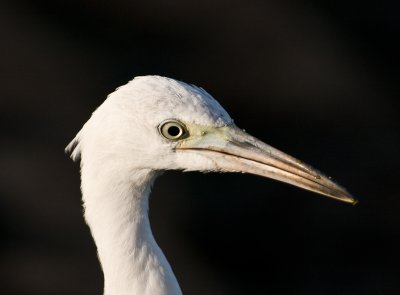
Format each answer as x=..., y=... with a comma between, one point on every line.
x=317, y=79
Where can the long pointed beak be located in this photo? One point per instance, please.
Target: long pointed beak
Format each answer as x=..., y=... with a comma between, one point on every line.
x=233, y=150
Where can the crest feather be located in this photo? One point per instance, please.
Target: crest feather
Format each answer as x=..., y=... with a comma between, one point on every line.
x=73, y=149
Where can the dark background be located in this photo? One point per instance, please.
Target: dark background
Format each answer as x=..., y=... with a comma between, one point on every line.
x=317, y=79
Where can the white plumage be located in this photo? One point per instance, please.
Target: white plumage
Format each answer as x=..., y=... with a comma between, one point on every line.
x=145, y=127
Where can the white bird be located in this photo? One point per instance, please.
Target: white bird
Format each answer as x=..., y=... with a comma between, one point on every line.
x=150, y=125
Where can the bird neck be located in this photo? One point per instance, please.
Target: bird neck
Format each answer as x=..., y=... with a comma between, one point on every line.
x=116, y=210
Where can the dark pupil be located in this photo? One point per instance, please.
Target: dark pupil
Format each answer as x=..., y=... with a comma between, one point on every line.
x=174, y=131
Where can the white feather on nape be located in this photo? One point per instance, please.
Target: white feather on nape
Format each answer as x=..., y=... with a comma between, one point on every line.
x=73, y=149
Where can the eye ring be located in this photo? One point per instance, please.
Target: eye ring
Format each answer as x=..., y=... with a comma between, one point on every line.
x=173, y=130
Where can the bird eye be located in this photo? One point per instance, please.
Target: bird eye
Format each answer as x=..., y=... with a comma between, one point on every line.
x=173, y=130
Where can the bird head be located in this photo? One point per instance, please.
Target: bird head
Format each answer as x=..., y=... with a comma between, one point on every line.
x=157, y=123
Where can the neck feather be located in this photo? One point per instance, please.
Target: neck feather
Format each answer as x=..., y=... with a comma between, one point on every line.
x=116, y=210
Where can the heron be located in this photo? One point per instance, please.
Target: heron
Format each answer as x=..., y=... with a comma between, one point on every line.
x=150, y=125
